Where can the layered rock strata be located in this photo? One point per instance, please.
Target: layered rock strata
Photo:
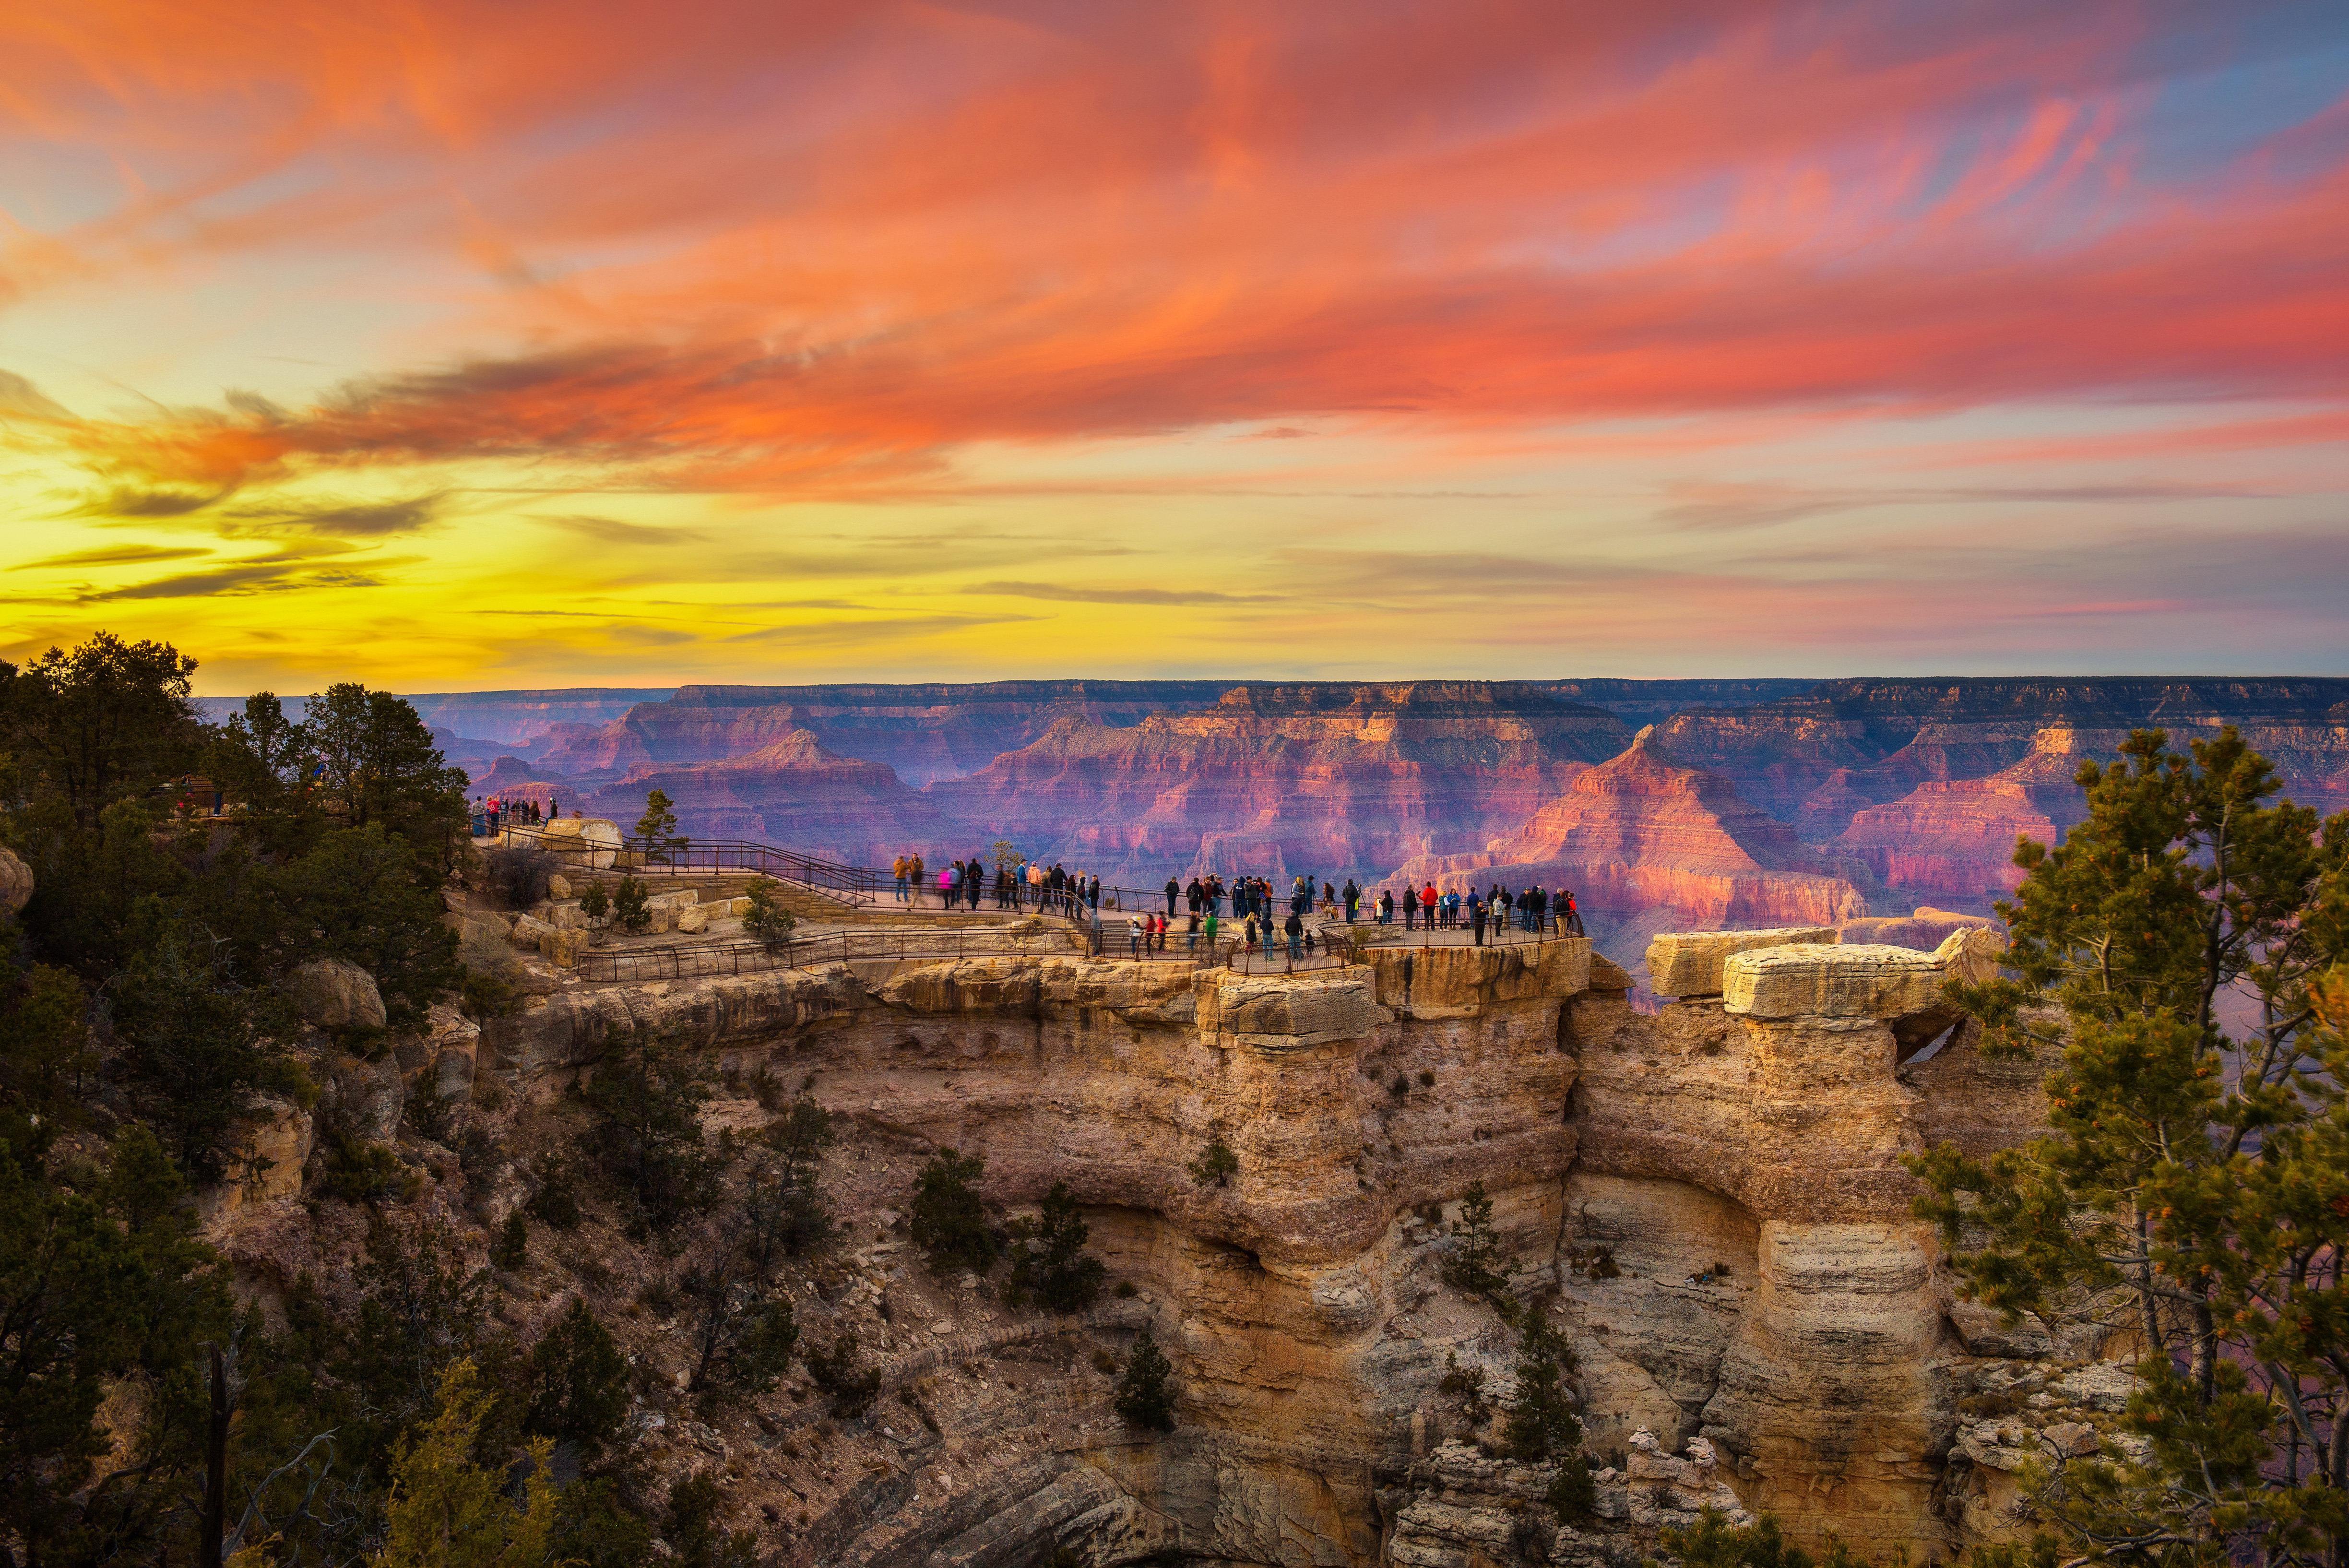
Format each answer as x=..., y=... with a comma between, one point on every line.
x=1647, y=844
x=1714, y=1194
x=1277, y=781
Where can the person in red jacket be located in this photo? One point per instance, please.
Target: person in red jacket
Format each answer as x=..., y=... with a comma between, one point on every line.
x=1427, y=903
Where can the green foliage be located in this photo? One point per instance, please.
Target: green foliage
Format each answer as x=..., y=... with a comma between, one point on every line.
x=594, y=902
x=690, y=1525
x=596, y=1526
x=94, y=1286
x=767, y=922
x=360, y=1170
x=511, y=1247
x=1476, y=1264
x=1217, y=1164
x=368, y=897
x=1145, y=1394
x=782, y=1203
x=630, y=908
x=658, y=828
x=44, y=1054
x=1049, y=1262
x=839, y=1370
x=2194, y=1184
x=555, y=1194
x=1573, y=1493
x=578, y=1382
x=1713, y=1542
x=379, y=766
x=420, y=1311
x=946, y=1218
x=449, y=1510
x=101, y=723
x=1541, y=1423
x=646, y=1096
x=195, y=1047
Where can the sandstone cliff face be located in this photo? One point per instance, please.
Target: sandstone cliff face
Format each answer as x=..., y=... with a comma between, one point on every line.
x=1647, y=845
x=1766, y=1318
x=1277, y=781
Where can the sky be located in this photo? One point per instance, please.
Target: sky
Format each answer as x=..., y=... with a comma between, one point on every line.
x=450, y=345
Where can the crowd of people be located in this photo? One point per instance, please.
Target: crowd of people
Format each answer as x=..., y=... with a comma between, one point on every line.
x=1255, y=903
x=493, y=812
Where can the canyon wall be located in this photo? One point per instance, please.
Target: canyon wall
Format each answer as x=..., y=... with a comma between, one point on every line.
x=1910, y=792
x=1278, y=781
x=1765, y=1310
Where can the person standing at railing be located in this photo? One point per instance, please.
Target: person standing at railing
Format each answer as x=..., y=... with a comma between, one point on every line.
x=1295, y=927
x=1410, y=907
x=897, y=869
x=1207, y=928
x=1173, y=892
x=1476, y=916
x=1133, y=935
x=1385, y=906
x=1353, y=896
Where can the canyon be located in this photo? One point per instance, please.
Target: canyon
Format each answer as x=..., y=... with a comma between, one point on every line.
x=1816, y=800
x=1707, y=1202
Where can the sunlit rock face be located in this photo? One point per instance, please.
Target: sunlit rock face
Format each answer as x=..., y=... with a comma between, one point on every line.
x=1923, y=785
x=1713, y=1194
x=1280, y=781
x=1648, y=844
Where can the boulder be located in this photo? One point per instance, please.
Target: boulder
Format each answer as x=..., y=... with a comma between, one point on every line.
x=590, y=842
x=1689, y=963
x=1822, y=981
x=561, y=947
x=530, y=931
x=335, y=994
x=267, y=1162
x=693, y=919
x=1972, y=954
x=15, y=882
x=558, y=885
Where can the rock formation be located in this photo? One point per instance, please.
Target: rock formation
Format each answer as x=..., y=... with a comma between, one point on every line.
x=793, y=793
x=15, y=882
x=1646, y=844
x=1708, y=1201
x=1278, y=781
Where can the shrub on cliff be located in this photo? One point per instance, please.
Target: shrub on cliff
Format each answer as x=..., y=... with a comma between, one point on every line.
x=578, y=1382
x=1476, y=1263
x=516, y=875
x=630, y=910
x=1217, y=1164
x=767, y=922
x=840, y=1371
x=1145, y=1395
x=2184, y=950
x=1541, y=1423
x=1049, y=1262
x=647, y=1097
x=946, y=1218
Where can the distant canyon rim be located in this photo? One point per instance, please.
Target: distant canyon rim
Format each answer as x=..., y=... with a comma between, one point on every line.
x=1664, y=805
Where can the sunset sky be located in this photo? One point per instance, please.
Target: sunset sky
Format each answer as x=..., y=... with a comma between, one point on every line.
x=452, y=346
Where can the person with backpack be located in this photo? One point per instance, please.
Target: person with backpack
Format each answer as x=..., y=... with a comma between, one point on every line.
x=1296, y=929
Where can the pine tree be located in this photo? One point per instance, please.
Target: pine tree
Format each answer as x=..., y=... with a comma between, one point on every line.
x=1145, y=1395
x=1048, y=1257
x=2194, y=1179
x=658, y=828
